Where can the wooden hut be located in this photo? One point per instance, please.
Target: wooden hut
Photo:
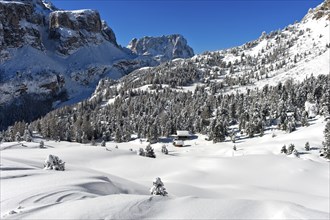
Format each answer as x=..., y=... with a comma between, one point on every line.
x=182, y=135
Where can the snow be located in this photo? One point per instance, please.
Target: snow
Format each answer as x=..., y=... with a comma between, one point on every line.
x=204, y=180
x=75, y=68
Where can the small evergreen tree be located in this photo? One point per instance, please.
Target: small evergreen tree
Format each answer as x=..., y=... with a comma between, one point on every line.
x=149, y=152
x=233, y=137
x=326, y=144
x=307, y=146
x=27, y=135
x=53, y=162
x=158, y=187
x=326, y=133
x=141, y=152
x=164, y=150
x=290, y=149
x=18, y=137
x=284, y=150
x=84, y=139
x=41, y=144
x=304, y=119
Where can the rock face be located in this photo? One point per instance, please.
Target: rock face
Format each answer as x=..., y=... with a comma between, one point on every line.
x=73, y=29
x=19, y=25
x=165, y=47
x=322, y=11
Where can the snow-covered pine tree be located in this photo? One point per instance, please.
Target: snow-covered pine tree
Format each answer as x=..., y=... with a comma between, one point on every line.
x=84, y=139
x=284, y=150
x=304, y=119
x=149, y=152
x=307, y=146
x=153, y=133
x=249, y=129
x=18, y=137
x=53, y=162
x=41, y=144
x=158, y=188
x=326, y=133
x=27, y=134
x=141, y=152
x=290, y=149
x=326, y=144
x=219, y=133
x=164, y=150
x=118, y=135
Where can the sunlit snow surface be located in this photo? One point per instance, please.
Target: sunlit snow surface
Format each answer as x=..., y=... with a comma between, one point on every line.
x=204, y=180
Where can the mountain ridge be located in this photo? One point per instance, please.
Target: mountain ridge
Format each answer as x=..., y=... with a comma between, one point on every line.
x=55, y=56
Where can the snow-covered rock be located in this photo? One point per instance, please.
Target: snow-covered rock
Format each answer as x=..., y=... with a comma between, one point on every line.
x=19, y=26
x=74, y=29
x=311, y=109
x=163, y=48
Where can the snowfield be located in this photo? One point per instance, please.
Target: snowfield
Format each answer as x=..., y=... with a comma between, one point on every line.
x=204, y=180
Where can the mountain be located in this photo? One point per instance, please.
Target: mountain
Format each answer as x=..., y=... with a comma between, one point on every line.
x=164, y=48
x=51, y=57
x=278, y=80
x=297, y=51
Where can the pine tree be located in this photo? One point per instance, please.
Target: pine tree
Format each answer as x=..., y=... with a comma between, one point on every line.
x=326, y=149
x=84, y=139
x=290, y=149
x=149, y=151
x=304, y=119
x=307, y=146
x=158, y=187
x=153, y=134
x=249, y=130
x=41, y=144
x=141, y=152
x=164, y=150
x=284, y=150
x=219, y=133
x=18, y=137
x=53, y=162
x=326, y=133
x=27, y=134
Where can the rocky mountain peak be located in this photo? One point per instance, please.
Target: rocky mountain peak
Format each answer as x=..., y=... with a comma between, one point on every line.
x=73, y=29
x=164, y=47
x=323, y=10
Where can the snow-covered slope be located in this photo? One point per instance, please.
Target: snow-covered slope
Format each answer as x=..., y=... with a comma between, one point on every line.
x=204, y=180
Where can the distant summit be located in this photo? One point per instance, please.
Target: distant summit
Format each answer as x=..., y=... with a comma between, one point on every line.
x=164, y=47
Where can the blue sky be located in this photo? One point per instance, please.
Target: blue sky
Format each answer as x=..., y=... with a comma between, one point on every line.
x=207, y=25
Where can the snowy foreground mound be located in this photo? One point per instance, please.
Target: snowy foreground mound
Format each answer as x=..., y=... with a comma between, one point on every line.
x=203, y=180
